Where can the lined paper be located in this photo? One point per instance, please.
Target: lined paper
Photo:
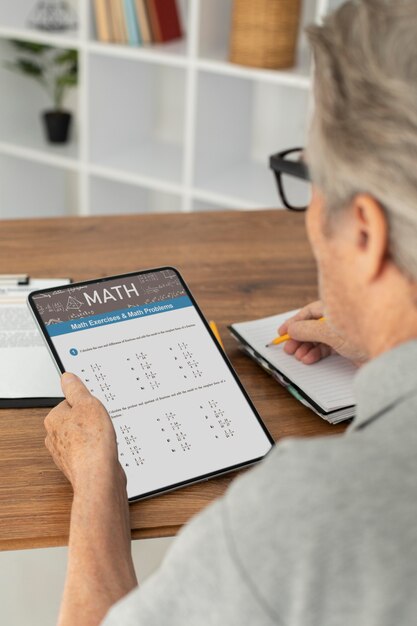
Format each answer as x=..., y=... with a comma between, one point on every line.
x=329, y=382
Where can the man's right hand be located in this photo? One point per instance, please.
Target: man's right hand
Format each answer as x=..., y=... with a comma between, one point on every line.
x=313, y=340
x=80, y=436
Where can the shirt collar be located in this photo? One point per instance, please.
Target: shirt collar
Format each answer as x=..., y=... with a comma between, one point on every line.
x=385, y=381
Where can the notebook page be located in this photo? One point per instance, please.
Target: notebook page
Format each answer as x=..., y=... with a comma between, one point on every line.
x=328, y=382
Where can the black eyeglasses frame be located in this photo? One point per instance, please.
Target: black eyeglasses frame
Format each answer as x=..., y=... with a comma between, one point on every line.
x=281, y=165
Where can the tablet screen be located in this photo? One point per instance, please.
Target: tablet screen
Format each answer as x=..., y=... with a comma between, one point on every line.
x=142, y=347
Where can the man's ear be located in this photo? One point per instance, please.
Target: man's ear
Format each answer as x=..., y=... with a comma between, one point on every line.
x=370, y=235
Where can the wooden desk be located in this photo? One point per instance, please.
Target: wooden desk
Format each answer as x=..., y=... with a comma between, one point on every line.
x=239, y=265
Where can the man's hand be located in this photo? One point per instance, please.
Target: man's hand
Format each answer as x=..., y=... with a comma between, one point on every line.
x=80, y=435
x=313, y=340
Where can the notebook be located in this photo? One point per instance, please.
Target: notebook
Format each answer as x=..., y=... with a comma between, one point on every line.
x=325, y=387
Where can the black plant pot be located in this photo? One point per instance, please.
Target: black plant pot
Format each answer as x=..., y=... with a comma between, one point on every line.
x=57, y=125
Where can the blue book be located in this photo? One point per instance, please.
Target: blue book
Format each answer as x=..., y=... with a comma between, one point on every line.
x=132, y=27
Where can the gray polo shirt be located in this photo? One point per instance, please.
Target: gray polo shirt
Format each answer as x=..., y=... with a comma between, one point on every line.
x=323, y=532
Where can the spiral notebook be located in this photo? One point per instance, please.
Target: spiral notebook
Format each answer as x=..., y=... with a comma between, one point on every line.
x=325, y=387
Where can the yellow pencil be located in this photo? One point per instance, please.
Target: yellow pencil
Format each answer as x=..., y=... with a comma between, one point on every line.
x=216, y=333
x=282, y=338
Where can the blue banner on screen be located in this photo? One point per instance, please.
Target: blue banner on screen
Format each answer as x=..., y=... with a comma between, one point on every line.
x=121, y=315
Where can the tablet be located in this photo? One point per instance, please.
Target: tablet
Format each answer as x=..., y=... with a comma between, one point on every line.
x=141, y=345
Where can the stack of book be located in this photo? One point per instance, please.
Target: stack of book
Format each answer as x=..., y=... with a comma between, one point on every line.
x=137, y=22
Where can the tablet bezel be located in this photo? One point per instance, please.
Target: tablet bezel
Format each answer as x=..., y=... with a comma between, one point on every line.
x=44, y=332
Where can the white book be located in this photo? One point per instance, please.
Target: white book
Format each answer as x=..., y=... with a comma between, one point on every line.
x=326, y=386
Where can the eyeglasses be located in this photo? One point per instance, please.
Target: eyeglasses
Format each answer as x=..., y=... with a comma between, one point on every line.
x=293, y=179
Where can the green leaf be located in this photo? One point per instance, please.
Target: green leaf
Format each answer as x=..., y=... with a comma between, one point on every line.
x=30, y=68
x=68, y=56
x=29, y=46
x=67, y=80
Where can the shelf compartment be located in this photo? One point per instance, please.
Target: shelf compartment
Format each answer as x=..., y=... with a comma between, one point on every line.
x=29, y=189
x=239, y=125
x=136, y=117
x=110, y=198
x=214, y=37
x=14, y=23
x=21, y=126
x=173, y=52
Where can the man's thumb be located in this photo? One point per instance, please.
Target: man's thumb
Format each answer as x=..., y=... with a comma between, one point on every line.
x=73, y=388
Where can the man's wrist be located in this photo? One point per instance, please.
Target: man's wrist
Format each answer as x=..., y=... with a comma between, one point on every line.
x=100, y=568
x=102, y=475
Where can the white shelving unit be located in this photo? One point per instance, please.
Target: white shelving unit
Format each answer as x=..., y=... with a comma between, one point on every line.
x=172, y=127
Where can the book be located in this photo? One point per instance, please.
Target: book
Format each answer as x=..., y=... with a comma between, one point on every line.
x=164, y=19
x=153, y=21
x=118, y=21
x=326, y=387
x=132, y=28
x=114, y=23
x=143, y=21
x=28, y=377
x=103, y=21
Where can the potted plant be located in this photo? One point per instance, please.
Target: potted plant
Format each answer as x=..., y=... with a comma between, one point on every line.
x=56, y=70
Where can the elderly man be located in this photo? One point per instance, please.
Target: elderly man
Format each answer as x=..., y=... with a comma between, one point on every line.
x=324, y=530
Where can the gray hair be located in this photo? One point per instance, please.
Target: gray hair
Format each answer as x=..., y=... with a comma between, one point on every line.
x=363, y=136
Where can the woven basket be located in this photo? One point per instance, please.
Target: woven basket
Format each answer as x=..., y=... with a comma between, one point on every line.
x=264, y=33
